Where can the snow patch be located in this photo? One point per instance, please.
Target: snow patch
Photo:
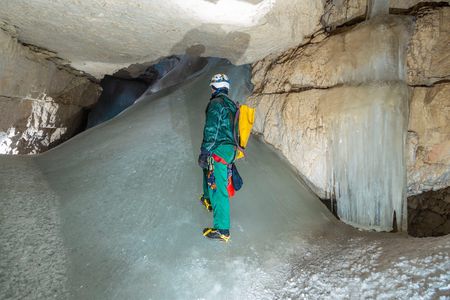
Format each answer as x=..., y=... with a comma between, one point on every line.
x=362, y=270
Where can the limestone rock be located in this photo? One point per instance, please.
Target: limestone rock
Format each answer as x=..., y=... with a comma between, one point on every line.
x=40, y=104
x=429, y=139
x=407, y=4
x=369, y=52
x=372, y=51
x=35, y=126
x=338, y=12
x=428, y=57
x=290, y=122
x=116, y=34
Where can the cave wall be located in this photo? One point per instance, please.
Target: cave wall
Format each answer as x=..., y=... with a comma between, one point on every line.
x=428, y=156
x=41, y=103
x=316, y=73
x=428, y=63
x=294, y=92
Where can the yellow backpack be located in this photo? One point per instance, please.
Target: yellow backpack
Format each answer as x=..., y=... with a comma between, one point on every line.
x=245, y=117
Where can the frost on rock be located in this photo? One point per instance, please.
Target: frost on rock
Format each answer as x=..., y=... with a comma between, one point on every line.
x=39, y=96
x=41, y=129
x=6, y=140
x=41, y=126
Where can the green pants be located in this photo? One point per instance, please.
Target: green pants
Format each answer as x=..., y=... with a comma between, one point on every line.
x=219, y=197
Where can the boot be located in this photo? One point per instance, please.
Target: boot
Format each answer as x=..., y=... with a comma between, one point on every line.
x=212, y=233
x=206, y=203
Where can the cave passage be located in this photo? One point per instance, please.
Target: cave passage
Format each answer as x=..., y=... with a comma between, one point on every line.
x=126, y=221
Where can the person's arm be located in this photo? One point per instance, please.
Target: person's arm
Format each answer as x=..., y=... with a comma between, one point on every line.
x=212, y=124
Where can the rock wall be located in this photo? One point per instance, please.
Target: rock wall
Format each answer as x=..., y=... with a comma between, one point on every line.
x=429, y=54
x=368, y=52
x=298, y=94
x=41, y=103
x=428, y=157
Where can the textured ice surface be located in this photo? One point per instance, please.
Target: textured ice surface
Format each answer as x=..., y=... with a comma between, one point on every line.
x=32, y=251
x=126, y=196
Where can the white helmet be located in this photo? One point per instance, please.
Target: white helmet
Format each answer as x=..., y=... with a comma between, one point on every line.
x=219, y=81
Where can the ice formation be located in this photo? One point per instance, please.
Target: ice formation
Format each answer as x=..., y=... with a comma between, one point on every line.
x=377, y=8
x=367, y=168
x=367, y=163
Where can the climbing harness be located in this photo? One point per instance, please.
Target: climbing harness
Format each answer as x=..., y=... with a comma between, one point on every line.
x=211, y=179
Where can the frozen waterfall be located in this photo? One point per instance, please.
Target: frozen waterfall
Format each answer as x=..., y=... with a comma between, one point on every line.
x=367, y=132
x=366, y=155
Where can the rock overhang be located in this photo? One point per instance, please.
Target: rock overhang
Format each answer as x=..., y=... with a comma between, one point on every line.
x=102, y=37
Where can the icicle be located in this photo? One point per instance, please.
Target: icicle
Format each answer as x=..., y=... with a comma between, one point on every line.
x=377, y=8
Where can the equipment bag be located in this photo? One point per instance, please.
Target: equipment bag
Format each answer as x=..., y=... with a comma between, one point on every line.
x=244, y=119
x=236, y=178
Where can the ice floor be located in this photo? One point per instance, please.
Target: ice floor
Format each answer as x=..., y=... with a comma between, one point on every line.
x=114, y=214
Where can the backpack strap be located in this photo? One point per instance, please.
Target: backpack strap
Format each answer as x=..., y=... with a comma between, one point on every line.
x=235, y=134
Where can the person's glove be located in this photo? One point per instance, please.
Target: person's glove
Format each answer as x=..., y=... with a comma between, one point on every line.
x=203, y=158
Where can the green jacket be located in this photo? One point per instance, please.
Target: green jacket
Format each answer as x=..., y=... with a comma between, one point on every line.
x=218, y=130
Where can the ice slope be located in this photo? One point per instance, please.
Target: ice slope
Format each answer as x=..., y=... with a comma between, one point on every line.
x=125, y=222
x=130, y=211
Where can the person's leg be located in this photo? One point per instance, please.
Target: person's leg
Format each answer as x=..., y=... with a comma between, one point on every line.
x=219, y=198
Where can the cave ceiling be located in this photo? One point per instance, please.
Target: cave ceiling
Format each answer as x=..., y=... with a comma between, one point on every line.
x=100, y=37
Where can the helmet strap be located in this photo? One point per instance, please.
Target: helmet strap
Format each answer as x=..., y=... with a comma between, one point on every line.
x=219, y=91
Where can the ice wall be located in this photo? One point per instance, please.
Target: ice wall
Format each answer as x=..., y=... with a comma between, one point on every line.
x=117, y=95
x=128, y=85
x=188, y=66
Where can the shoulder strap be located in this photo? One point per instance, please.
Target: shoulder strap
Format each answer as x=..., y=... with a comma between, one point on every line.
x=236, y=122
